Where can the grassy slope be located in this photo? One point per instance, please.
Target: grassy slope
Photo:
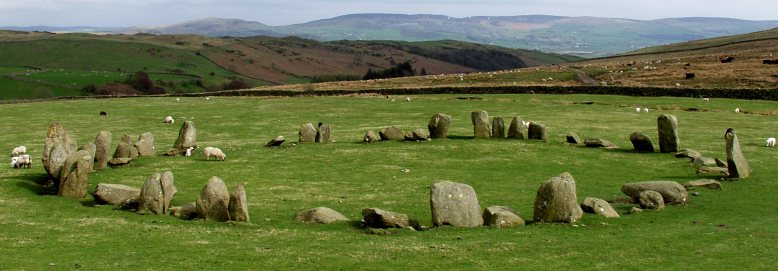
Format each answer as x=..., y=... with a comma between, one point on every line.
x=730, y=228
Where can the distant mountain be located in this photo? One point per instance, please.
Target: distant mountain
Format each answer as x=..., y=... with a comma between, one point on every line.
x=584, y=36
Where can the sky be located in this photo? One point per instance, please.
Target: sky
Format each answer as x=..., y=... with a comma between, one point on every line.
x=123, y=13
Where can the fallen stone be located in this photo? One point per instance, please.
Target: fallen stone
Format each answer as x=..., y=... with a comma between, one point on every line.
x=687, y=153
x=118, y=162
x=502, y=216
x=671, y=191
x=276, y=142
x=641, y=142
x=392, y=133
x=635, y=210
x=114, y=194
x=556, y=200
x=321, y=215
x=714, y=171
x=418, y=134
x=707, y=183
x=370, y=137
x=377, y=218
x=720, y=163
x=599, y=206
x=188, y=211
x=702, y=161
x=599, y=143
x=454, y=204
x=650, y=199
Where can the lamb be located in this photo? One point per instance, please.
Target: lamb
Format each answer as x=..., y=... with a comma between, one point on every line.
x=169, y=119
x=215, y=152
x=19, y=151
x=771, y=142
x=189, y=151
x=22, y=161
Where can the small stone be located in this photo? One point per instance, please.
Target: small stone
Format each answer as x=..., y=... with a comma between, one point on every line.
x=276, y=142
x=370, y=137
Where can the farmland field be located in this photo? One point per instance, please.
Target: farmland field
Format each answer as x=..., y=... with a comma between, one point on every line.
x=732, y=228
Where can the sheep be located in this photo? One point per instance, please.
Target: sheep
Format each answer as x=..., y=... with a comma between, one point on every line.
x=706, y=99
x=637, y=109
x=169, y=119
x=19, y=151
x=737, y=110
x=215, y=152
x=771, y=142
x=22, y=161
x=189, y=151
x=525, y=124
x=407, y=99
x=645, y=110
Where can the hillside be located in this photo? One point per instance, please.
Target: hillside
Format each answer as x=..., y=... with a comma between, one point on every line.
x=40, y=64
x=584, y=36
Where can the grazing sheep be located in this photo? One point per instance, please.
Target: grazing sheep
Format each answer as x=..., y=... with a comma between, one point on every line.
x=771, y=142
x=22, y=161
x=637, y=109
x=19, y=151
x=215, y=152
x=407, y=99
x=189, y=151
x=178, y=99
x=706, y=99
x=645, y=110
x=737, y=110
x=169, y=119
x=525, y=124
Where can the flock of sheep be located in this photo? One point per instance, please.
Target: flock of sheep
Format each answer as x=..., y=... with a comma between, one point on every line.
x=20, y=158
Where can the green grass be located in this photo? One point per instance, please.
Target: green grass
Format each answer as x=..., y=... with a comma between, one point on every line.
x=731, y=228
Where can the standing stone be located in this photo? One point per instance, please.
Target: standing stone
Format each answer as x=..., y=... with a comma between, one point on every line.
x=498, y=127
x=641, y=142
x=128, y=148
x=102, y=149
x=650, y=199
x=187, y=137
x=145, y=145
x=213, y=203
x=307, y=133
x=392, y=133
x=438, y=126
x=480, y=121
x=736, y=162
x=516, y=129
x=502, y=216
x=114, y=194
x=169, y=190
x=238, y=207
x=537, y=131
x=573, y=138
x=91, y=149
x=74, y=178
x=599, y=206
x=276, y=142
x=556, y=200
x=671, y=191
x=122, y=150
x=321, y=215
x=370, y=137
x=667, y=125
x=454, y=204
x=377, y=218
x=151, y=196
x=323, y=134
x=57, y=149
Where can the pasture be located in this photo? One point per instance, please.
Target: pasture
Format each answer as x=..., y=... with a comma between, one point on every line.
x=732, y=228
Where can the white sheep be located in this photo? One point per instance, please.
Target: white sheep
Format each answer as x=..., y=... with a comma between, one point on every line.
x=22, y=161
x=771, y=142
x=407, y=99
x=169, y=119
x=737, y=110
x=525, y=124
x=706, y=99
x=19, y=151
x=645, y=110
x=637, y=109
x=189, y=151
x=215, y=152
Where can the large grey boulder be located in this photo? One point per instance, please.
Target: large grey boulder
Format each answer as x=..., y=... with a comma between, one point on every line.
x=370, y=137
x=114, y=194
x=667, y=126
x=736, y=162
x=650, y=199
x=214, y=200
x=102, y=149
x=187, y=137
x=641, y=142
x=598, y=206
x=321, y=215
x=91, y=149
x=480, y=121
x=556, y=200
x=454, y=204
x=56, y=150
x=516, y=130
x=74, y=178
x=307, y=133
x=498, y=127
x=145, y=145
x=502, y=216
x=418, y=134
x=438, y=126
x=323, y=133
x=537, y=131
x=377, y=218
x=238, y=207
x=671, y=191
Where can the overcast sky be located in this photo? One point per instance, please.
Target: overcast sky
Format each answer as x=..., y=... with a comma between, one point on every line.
x=282, y=12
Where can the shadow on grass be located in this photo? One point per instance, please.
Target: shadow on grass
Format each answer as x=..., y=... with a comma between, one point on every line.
x=36, y=183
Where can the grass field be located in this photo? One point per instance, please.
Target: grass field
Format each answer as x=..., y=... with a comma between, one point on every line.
x=732, y=228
